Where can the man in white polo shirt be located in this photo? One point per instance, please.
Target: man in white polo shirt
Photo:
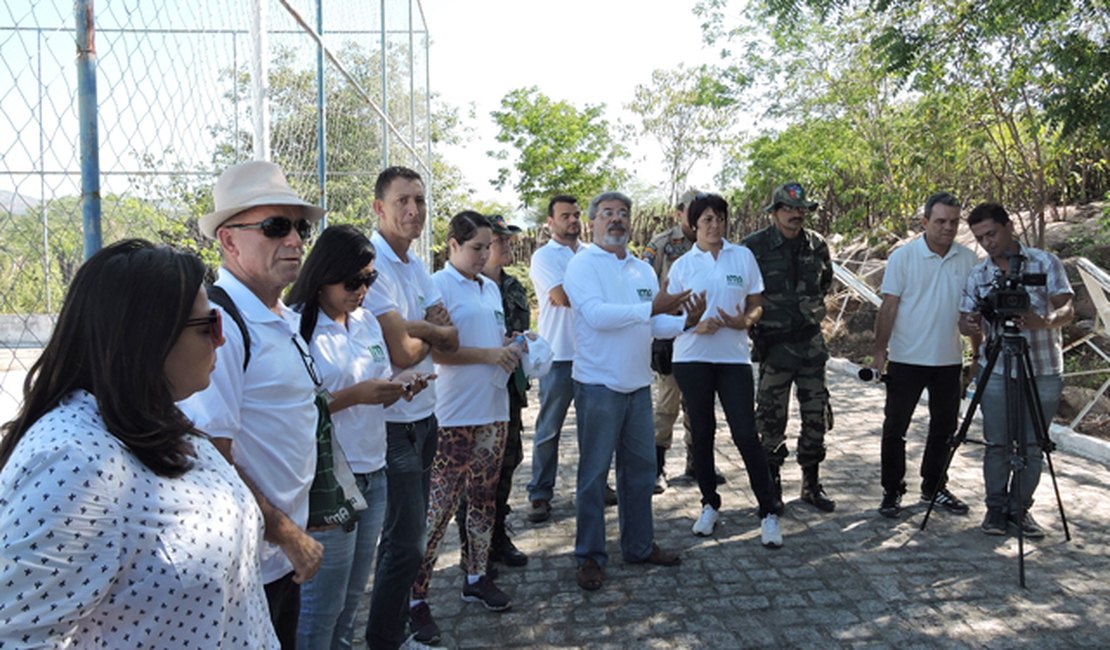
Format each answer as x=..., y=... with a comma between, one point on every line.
x=259, y=407
x=413, y=320
x=548, y=265
x=618, y=308
x=917, y=337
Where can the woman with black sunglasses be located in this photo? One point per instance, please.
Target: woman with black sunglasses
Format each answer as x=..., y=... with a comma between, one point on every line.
x=352, y=360
x=121, y=525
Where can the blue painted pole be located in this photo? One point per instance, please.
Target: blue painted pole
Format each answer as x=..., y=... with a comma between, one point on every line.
x=321, y=116
x=87, y=117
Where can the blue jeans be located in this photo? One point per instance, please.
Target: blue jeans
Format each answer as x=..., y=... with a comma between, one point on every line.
x=1007, y=490
x=330, y=600
x=411, y=449
x=556, y=393
x=610, y=422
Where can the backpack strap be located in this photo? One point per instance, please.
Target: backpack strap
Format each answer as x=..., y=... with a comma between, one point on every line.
x=219, y=296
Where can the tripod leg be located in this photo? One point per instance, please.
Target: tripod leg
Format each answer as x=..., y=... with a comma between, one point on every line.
x=1040, y=431
x=960, y=436
x=1015, y=435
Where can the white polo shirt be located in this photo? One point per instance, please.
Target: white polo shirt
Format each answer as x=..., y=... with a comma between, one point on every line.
x=468, y=395
x=929, y=288
x=727, y=282
x=269, y=411
x=549, y=264
x=345, y=356
x=406, y=288
x=613, y=325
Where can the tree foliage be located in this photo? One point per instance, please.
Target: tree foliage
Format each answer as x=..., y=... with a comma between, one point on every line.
x=557, y=148
x=688, y=112
x=875, y=105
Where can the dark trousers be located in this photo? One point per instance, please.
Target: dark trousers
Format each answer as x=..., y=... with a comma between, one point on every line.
x=905, y=382
x=283, y=596
x=411, y=448
x=701, y=383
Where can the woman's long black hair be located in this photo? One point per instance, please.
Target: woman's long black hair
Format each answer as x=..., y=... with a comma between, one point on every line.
x=123, y=313
x=340, y=253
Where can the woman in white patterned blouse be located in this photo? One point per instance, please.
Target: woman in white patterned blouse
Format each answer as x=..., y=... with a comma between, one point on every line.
x=121, y=526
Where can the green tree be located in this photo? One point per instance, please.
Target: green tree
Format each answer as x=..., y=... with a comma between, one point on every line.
x=557, y=148
x=688, y=112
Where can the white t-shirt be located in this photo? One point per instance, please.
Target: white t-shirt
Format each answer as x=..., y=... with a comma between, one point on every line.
x=613, y=325
x=344, y=357
x=727, y=282
x=472, y=394
x=549, y=264
x=96, y=550
x=269, y=412
x=406, y=288
x=929, y=288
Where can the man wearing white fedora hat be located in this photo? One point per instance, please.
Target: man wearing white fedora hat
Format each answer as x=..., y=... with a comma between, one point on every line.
x=260, y=408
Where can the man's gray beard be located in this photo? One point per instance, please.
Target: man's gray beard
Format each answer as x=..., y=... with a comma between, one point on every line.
x=613, y=240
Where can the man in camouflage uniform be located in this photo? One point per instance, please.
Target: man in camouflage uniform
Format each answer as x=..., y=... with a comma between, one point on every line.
x=663, y=249
x=518, y=318
x=797, y=274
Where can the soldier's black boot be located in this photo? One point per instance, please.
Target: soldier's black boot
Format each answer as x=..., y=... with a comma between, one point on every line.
x=502, y=549
x=660, y=472
x=813, y=493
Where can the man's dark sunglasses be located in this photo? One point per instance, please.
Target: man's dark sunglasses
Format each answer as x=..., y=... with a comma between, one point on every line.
x=278, y=227
x=360, y=280
x=215, y=321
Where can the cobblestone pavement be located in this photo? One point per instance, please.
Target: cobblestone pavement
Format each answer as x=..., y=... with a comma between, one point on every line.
x=846, y=579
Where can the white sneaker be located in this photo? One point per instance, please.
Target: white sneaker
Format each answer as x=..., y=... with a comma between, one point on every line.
x=705, y=524
x=770, y=532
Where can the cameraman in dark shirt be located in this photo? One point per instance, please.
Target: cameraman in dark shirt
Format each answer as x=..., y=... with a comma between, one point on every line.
x=1050, y=309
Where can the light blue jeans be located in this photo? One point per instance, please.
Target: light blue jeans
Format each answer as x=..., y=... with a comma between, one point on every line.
x=1006, y=489
x=330, y=600
x=610, y=422
x=556, y=393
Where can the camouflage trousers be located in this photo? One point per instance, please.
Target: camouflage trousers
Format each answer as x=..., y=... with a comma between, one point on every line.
x=773, y=400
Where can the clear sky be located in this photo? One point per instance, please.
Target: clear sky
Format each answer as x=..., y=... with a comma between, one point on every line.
x=582, y=51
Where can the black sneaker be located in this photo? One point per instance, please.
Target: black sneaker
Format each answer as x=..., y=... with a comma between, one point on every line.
x=891, y=505
x=994, y=523
x=948, y=501
x=487, y=593
x=422, y=625
x=1029, y=527
x=610, y=496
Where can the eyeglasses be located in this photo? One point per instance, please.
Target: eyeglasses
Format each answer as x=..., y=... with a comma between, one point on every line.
x=277, y=227
x=609, y=213
x=213, y=320
x=360, y=280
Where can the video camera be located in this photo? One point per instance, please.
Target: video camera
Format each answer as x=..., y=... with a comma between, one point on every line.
x=1007, y=296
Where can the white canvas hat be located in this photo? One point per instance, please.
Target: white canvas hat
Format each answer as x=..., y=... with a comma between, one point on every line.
x=249, y=185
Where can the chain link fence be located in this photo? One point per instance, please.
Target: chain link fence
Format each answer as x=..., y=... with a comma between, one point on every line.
x=332, y=91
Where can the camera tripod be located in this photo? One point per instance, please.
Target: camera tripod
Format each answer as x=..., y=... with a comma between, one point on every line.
x=1021, y=396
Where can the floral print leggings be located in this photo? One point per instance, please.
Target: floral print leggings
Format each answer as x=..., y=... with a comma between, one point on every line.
x=468, y=460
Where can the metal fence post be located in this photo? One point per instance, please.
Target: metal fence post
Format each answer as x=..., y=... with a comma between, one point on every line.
x=87, y=118
x=321, y=116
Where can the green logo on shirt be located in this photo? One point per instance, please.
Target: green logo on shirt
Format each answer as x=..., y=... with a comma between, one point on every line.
x=500, y=318
x=645, y=295
x=377, y=352
x=734, y=280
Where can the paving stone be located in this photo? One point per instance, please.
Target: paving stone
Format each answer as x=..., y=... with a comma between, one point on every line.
x=850, y=578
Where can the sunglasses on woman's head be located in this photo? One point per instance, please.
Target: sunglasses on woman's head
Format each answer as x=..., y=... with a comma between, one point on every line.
x=277, y=227
x=213, y=319
x=360, y=280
